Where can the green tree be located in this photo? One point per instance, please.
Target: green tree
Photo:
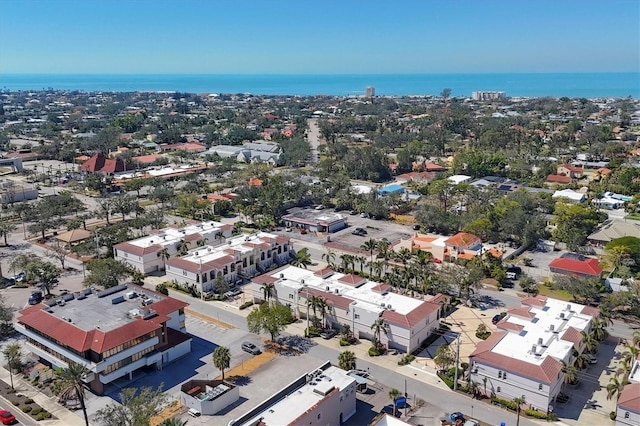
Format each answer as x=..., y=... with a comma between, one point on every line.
x=13, y=355
x=105, y=273
x=615, y=387
x=575, y=222
x=6, y=228
x=46, y=273
x=347, y=360
x=271, y=319
x=302, y=258
x=330, y=258
x=394, y=394
x=173, y=421
x=519, y=401
x=221, y=359
x=379, y=327
x=165, y=255
x=72, y=379
x=268, y=291
x=137, y=407
x=445, y=357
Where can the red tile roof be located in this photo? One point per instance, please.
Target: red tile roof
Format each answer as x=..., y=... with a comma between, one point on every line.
x=630, y=398
x=462, y=239
x=324, y=273
x=332, y=299
x=100, y=163
x=137, y=250
x=352, y=280
x=591, y=311
x=558, y=179
x=589, y=266
x=534, y=301
x=506, y=325
x=546, y=372
x=419, y=314
x=523, y=312
x=381, y=288
x=147, y=159
x=574, y=336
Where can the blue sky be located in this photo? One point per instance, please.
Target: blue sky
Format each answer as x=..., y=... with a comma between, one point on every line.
x=319, y=37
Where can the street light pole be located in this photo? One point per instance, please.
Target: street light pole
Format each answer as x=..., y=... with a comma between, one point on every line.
x=455, y=380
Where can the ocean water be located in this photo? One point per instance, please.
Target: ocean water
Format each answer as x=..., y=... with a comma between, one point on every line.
x=587, y=85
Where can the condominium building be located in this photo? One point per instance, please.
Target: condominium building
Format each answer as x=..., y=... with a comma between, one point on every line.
x=326, y=395
x=112, y=333
x=149, y=254
x=487, y=96
x=525, y=357
x=357, y=302
x=240, y=257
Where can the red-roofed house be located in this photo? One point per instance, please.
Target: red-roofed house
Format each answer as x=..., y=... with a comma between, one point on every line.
x=100, y=163
x=628, y=409
x=355, y=301
x=113, y=333
x=576, y=266
x=572, y=171
x=562, y=179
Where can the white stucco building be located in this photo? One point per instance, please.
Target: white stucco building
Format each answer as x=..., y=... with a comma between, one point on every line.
x=357, y=302
x=239, y=257
x=144, y=253
x=628, y=407
x=525, y=356
x=325, y=396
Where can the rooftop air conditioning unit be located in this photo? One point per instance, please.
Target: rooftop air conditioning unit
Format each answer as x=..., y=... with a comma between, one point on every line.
x=562, y=315
x=337, y=291
x=389, y=306
x=568, y=307
x=382, y=305
x=552, y=327
x=533, y=349
x=327, y=288
x=540, y=341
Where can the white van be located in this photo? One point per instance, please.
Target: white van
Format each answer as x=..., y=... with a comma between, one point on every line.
x=193, y=412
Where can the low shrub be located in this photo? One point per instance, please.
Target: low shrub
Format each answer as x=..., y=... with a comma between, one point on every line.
x=26, y=408
x=344, y=342
x=612, y=415
x=407, y=359
x=505, y=403
x=483, y=336
x=15, y=402
x=245, y=305
x=373, y=351
x=535, y=413
x=35, y=411
x=446, y=380
x=28, y=401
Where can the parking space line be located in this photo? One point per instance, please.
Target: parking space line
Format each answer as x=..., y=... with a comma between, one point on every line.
x=209, y=319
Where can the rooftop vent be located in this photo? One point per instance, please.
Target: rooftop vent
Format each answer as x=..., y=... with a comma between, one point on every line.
x=337, y=291
x=382, y=305
x=562, y=315
x=540, y=341
x=281, y=275
x=568, y=308
x=552, y=327
x=327, y=288
x=389, y=306
x=533, y=349
x=117, y=300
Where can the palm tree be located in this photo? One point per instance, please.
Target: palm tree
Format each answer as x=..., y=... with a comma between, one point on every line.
x=384, y=252
x=570, y=373
x=519, y=401
x=590, y=342
x=631, y=354
x=13, y=355
x=221, y=359
x=72, y=379
x=302, y=258
x=268, y=291
x=173, y=421
x=322, y=307
x=615, y=387
x=347, y=360
x=164, y=255
x=330, y=258
x=599, y=329
x=473, y=388
x=370, y=245
x=582, y=360
x=403, y=255
x=379, y=326
x=202, y=242
x=361, y=261
x=484, y=383
x=394, y=394
x=183, y=247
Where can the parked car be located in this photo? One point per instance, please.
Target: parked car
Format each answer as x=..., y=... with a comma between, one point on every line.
x=593, y=359
x=328, y=334
x=496, y=319
x=360, y=373
x=19, y=277
x=360, y=231
x=508, y=283
x=233, y=293
x=471, y=422
x=353, y=212
x=456, y=416
x=35, y=298
x=303, y=231
x=364, y=215
x=320, y=207
x=416, y=227
x=251, y=348
x=7, y=281
x=7, y=418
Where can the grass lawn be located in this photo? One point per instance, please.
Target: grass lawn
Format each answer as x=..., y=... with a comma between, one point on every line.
x=556, y=294
x=634, y=216
x=146, y=203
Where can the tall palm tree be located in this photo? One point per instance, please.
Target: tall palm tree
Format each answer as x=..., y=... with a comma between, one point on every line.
x=183, y=247
x=72, y=379
x=221, y=359
x=631, y=354
x=394, y=394
x=582, y=360
x=330, y=258
x=302, y=258
x=384, y=252
x=323, y=306
x=164, y=255
x=570, y=373
x=361, y=261
x=379, y=326
x=370, y=245
x=202, y=242
x=13, y=355
x=615, y=387
x=519, y=401
x=403, y=255
x=268, y=291
x=590, y=342
x=599, y=329
x=314, y=303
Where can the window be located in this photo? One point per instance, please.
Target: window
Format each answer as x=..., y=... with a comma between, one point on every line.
x=357, y=316
x=233, y=267
x=504, y=375
x=498, y=389
x=626, y=415
x=499, y=374
x=540, y=386
x=291, y=296
x=226, y=270
x=184, y=273
x=126, y=254
x=262, y=256
x=319, y=415
x=286, y=248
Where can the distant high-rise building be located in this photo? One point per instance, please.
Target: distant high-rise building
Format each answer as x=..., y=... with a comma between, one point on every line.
x=487, y=96
x=370, y=92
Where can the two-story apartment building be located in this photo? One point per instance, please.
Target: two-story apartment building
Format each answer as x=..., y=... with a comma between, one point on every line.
x=525, y=356
x=149, y=254
x=628, y=407
x=239, y=257
x=112, y=333
x=357, y=302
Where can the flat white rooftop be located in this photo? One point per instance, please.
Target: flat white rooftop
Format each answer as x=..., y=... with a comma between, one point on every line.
x=545, y=331
x=239, y=243
x=292, y=406
x=363, y=294
x=169, y=236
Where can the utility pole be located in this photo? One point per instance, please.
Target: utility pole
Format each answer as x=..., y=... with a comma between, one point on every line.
x=455, y=380
x=307, y=302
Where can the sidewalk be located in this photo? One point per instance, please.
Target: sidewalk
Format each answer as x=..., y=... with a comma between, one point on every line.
x=64, y=417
